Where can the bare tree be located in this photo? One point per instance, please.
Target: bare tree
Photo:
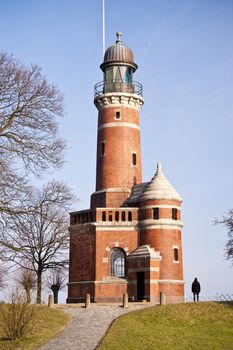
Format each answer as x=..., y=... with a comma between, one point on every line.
x=227, y=221
x=27, y=279
x=40, y=236
x=56, y=282
x=29, y=106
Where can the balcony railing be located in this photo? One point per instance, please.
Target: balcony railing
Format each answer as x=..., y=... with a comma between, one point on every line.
x=104, y=215
x=104, y=87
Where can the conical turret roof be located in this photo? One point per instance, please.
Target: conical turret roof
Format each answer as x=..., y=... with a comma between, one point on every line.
x=159, y=188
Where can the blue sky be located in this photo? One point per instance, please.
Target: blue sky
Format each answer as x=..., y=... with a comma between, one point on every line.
x=184, y=50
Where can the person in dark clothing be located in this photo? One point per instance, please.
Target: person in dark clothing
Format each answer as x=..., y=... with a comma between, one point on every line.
x=196, y=288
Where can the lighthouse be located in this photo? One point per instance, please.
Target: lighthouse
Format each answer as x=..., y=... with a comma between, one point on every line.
x=118, y=99
x=129, y=241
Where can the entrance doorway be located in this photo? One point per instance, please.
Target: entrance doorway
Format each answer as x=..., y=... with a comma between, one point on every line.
x=140, y=285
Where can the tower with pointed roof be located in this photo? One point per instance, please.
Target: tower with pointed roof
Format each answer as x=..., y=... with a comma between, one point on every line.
x=130, y=238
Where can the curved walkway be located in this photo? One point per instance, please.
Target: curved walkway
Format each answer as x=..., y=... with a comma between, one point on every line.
x=88, y=326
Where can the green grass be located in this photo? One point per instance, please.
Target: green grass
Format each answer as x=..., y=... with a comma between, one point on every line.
x=46, y=324
x=193, y=326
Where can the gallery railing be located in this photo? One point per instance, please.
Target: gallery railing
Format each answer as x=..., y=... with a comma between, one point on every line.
x=104, y=87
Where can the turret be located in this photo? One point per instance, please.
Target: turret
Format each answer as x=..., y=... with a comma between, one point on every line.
x=160, y=227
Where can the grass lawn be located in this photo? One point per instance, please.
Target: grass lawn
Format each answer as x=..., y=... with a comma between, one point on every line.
x=193, y=326
x=46, y=323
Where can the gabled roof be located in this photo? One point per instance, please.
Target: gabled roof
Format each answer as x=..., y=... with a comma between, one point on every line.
x=144, y=252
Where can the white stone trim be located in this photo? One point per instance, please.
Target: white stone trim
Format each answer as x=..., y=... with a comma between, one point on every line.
x=171, y=281
x=117, y=244
x=159, y=281
x=138, y=269
x=119, y=124
x=146, y=281
x=161, y=223
x=105, y=260
x=118, y=99
x=113, y=189
x=166, y=206
x=159, y=227
x=117, y=228
x=112, y=281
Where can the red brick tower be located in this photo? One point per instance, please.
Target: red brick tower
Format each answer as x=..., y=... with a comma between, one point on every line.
x=118, y=99
x=130, y=239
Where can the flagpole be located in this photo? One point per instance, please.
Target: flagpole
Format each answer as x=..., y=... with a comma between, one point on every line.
x=103, y=27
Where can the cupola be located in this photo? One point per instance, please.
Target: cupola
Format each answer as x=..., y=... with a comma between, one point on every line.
x=118, y=55
x=118, y=68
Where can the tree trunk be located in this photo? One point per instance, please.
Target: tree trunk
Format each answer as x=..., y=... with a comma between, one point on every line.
x=39, y=285
x=28, y=295
x=55, y=294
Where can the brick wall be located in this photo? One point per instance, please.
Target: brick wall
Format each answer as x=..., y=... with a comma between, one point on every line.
x=115, y=167
x=82, y=259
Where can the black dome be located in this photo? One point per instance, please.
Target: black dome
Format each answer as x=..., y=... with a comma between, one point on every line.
x=118, y=53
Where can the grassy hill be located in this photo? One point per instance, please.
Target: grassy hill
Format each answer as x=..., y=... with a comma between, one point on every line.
x=46, y=323
x=192, y=326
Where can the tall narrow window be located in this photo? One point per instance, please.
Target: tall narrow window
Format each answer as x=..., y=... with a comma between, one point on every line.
x=103, y=216
x=102, y=148
x=134, y=158
x=123, y=216
x=117, y=216
x=130, y=216
x=118, y=115
x=110, y=216
x=176, y=254
x=174, y=213
x=117, y=264
x=155, y=213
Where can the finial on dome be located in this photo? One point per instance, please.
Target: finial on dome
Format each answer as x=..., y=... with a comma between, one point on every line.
x=119, y=40
x=159, y=166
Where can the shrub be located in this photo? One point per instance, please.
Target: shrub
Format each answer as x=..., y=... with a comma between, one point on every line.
x=17, y=317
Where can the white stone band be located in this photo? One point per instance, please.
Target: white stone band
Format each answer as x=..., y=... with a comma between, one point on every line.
x=165, y=206
x=119, y=124
x=160, y=223
x=118, y=98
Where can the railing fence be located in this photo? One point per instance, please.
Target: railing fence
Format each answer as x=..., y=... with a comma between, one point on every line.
x=217, y=297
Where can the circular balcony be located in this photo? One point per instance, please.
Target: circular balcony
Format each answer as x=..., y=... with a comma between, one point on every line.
x=104, y=87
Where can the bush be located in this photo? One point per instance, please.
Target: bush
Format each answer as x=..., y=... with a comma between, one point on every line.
x=17, y=317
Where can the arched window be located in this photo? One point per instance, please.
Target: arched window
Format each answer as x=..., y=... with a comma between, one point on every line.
x=117, y=267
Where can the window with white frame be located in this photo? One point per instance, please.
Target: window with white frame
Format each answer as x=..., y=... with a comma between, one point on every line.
x=117, y=262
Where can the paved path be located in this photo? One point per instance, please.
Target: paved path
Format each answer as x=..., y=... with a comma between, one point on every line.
x=87, y=328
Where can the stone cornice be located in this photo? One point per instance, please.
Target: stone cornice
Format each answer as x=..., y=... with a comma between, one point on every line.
x=118, y=98
x=161, y=223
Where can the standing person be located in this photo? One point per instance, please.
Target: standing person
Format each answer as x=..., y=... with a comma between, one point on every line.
x=196, y=288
